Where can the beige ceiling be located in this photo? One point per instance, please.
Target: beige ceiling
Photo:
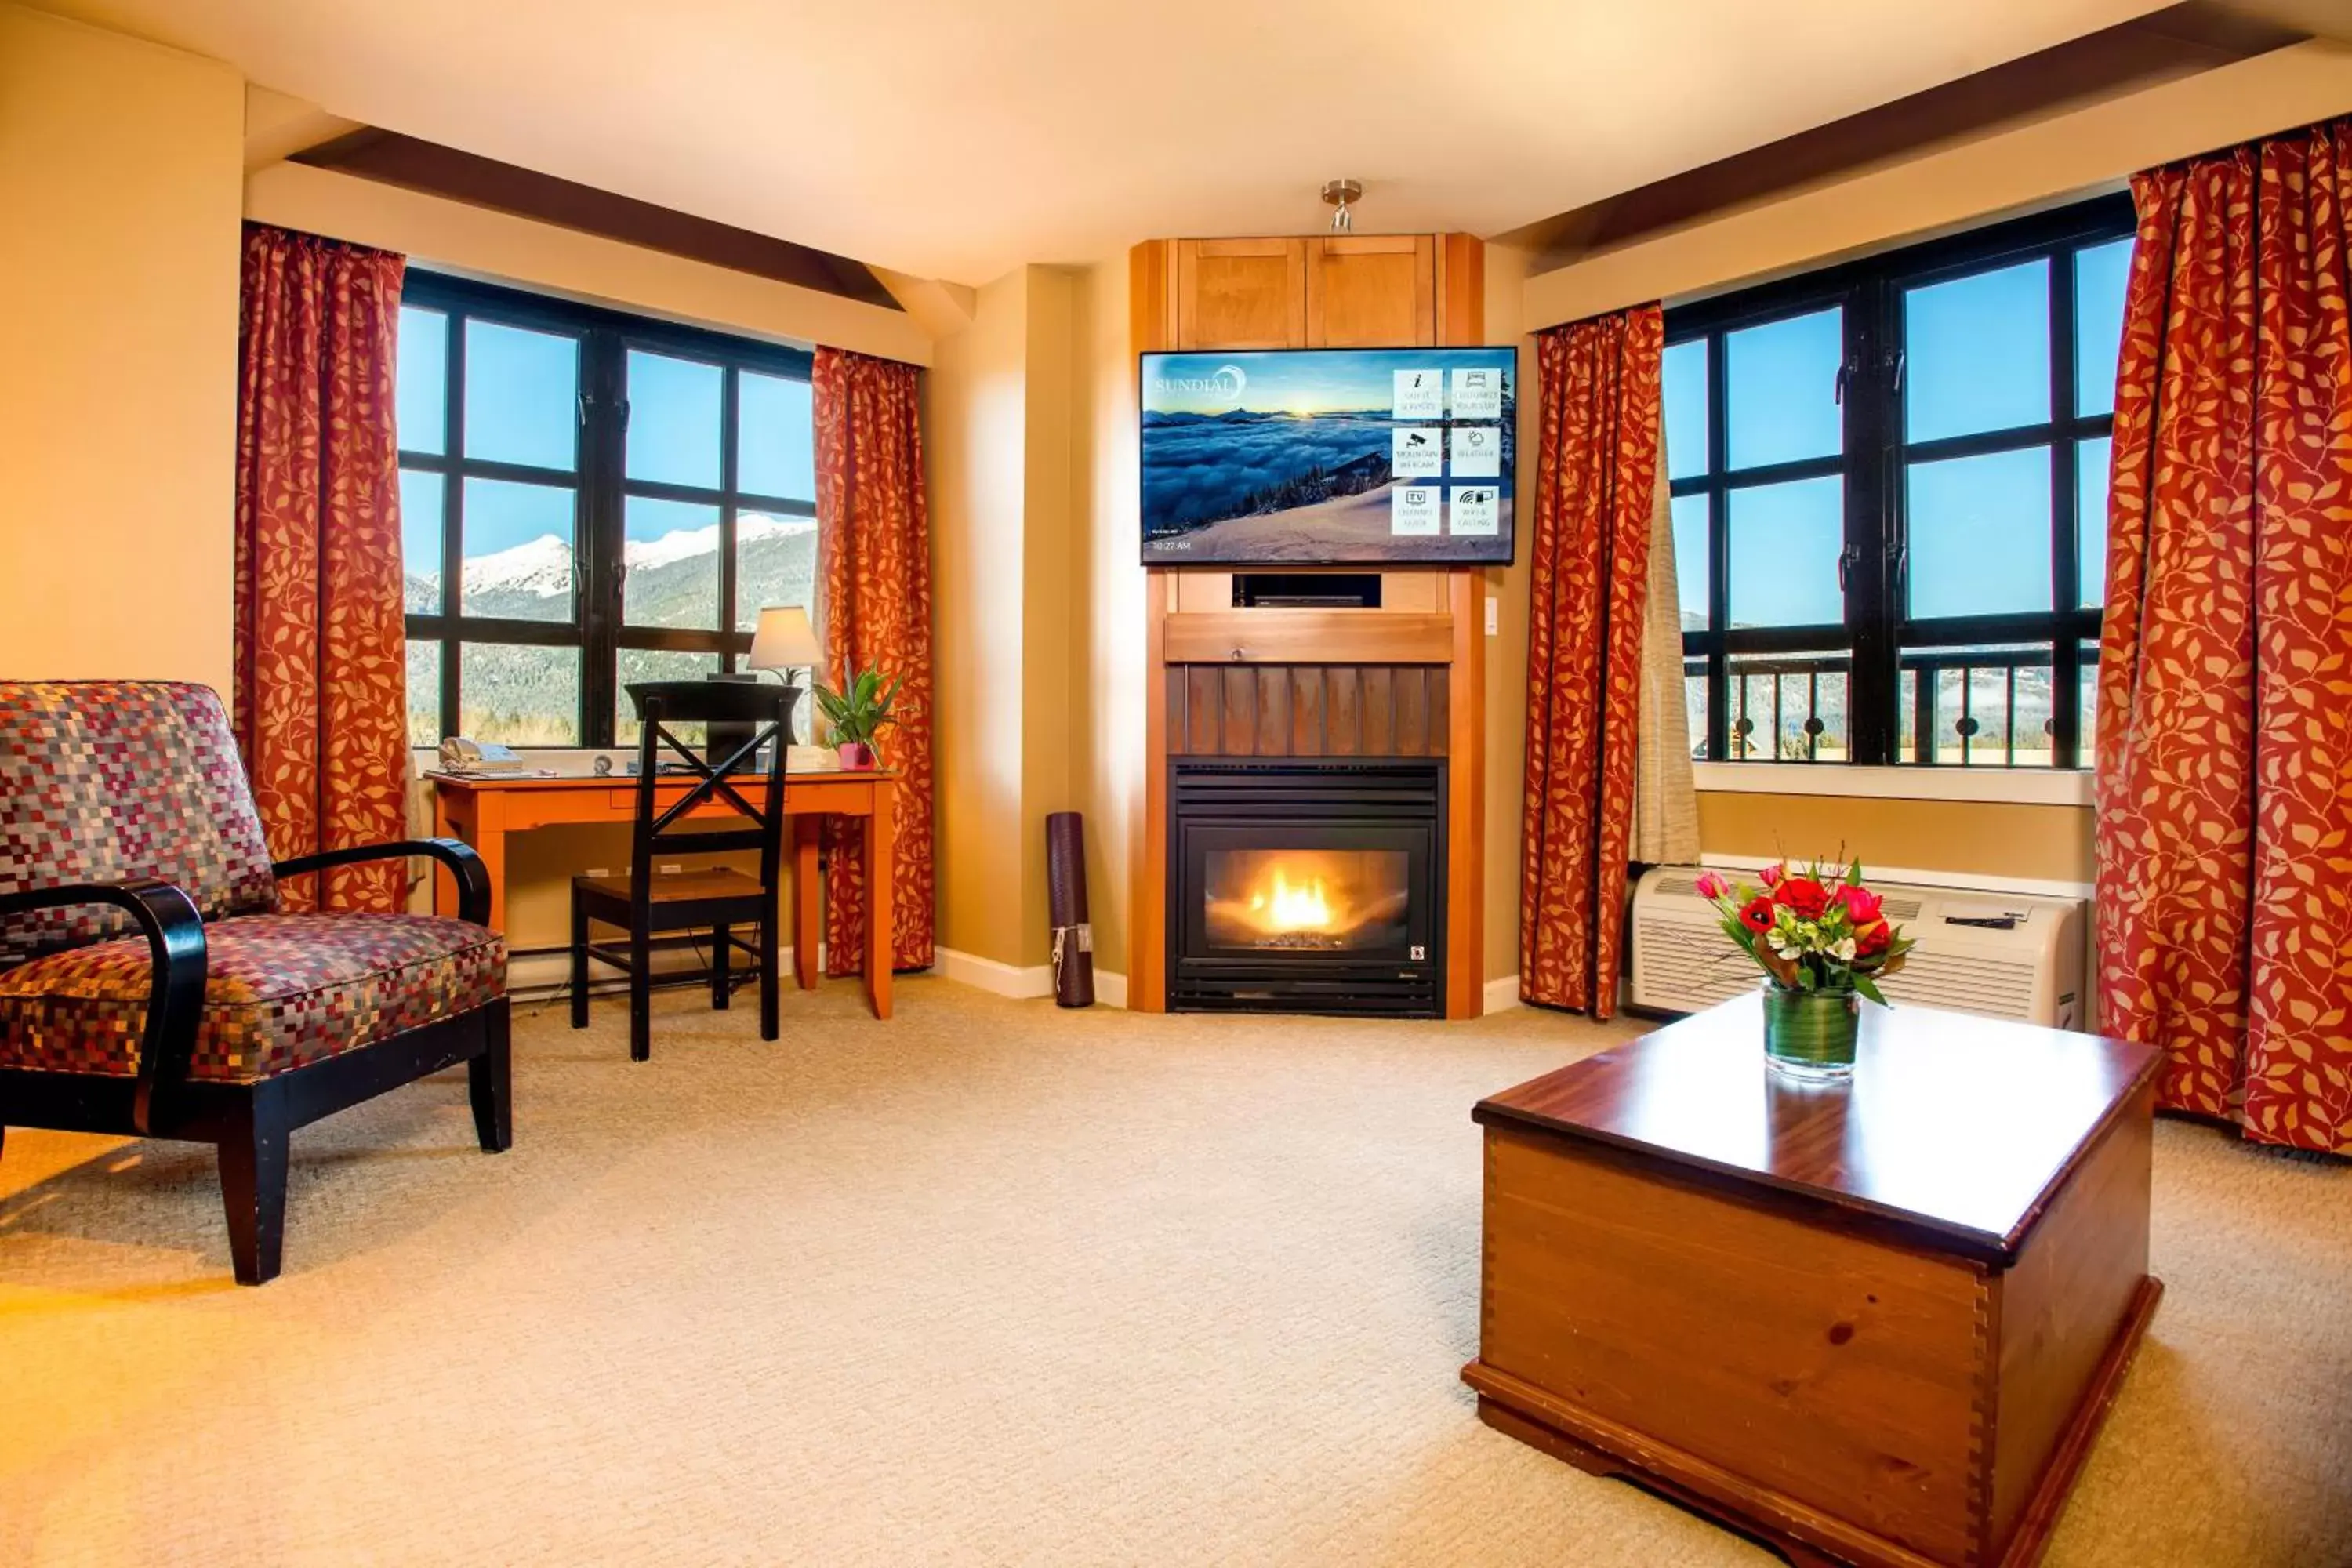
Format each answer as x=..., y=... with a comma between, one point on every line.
x=956, y=140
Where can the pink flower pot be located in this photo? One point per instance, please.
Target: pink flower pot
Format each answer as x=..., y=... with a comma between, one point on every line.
x=857, y=756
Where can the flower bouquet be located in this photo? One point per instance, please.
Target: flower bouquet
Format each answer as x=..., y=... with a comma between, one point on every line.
x=1823, y=940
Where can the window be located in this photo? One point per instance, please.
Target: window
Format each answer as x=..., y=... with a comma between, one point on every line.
x=619, y=496
x=1890, y=487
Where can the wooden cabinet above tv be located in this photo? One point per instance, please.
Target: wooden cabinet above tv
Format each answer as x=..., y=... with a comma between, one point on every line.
x=1371, y=291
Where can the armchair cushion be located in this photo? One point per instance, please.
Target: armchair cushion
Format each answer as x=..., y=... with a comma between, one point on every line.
x=108, y=781
x=280, y=992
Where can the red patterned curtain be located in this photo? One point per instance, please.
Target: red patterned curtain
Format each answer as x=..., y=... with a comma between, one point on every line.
x=874, y=553
x=2224, y=759
x=321, y=647
x=1597, y=468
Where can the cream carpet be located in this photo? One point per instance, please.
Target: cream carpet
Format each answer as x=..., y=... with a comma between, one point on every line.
x=991, y=1283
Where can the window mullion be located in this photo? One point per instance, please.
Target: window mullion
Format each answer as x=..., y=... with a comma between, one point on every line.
x=453, y=517
x=1873, y=415
x=730, y=483
x=1718, y=553
x=2065, y=576
x=603, y=435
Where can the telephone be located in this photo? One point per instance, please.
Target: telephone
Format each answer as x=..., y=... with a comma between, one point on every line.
x=462, y=755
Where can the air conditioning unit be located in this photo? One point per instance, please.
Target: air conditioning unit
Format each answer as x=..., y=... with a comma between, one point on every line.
x=2002, y=956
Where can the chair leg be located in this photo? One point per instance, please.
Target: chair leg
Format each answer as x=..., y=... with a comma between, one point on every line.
x=769, y=960
x=253, y=1185
x=490, y=1082
x=641, y=995
x=579, y=964
x=722, y=940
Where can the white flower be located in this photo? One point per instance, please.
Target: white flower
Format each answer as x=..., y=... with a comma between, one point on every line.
x=1843, y=949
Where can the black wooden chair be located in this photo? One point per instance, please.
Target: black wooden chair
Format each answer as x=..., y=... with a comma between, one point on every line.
x=719, y=900
x=151, y=984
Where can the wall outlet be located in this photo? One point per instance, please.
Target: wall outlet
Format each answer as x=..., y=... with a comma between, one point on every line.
x=1493, y=616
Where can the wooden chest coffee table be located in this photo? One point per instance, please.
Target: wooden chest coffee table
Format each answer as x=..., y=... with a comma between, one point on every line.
x=1878, y=1323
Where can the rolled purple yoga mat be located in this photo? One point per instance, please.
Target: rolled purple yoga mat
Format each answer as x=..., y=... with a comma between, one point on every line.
x=1066, y=905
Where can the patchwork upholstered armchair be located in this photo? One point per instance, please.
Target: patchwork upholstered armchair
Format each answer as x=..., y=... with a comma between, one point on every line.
x=150, y=984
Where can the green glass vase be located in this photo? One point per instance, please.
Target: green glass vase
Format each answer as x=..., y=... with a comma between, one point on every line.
x=1809, y=1034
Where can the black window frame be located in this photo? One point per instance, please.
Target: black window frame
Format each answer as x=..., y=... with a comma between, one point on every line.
x=599, y=484
x=1877, y=641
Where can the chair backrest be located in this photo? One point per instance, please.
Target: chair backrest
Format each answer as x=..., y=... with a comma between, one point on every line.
x=107, y=781
x=763, y=714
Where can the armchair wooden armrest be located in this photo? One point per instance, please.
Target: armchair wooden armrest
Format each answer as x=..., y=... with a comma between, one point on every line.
x=176, y=959
x=472, y=877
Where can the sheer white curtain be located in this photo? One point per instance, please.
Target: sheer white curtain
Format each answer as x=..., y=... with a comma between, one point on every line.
x=1666, y=804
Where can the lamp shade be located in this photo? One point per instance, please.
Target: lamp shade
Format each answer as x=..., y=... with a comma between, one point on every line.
x=785, y=640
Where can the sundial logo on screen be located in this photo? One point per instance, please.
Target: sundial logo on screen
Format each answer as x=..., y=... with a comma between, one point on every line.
x=1225, y=383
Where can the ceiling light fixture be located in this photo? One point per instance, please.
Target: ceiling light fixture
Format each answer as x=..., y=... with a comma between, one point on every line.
x=1339, y=193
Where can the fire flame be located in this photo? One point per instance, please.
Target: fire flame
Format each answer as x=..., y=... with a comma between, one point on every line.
x=1283, y=908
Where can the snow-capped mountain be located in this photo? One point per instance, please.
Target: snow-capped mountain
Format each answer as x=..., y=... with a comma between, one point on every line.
x=540, y=568
x=685, y=544
x=521, y=579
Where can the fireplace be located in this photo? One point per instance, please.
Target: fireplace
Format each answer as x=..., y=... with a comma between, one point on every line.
x=1306, y=886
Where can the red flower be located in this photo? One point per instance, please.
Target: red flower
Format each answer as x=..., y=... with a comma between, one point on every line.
x=1758, y=916
x=1862, y=905
x=1770, y=876
x=1804, y=895
x=1871, y=939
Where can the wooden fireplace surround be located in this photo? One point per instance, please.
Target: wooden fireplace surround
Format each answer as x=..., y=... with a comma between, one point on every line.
x=1407, y=679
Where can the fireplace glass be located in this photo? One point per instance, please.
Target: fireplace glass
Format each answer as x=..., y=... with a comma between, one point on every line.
x=1317, y=900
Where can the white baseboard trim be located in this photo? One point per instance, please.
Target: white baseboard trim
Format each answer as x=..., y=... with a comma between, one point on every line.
x=2035, y=887
x=1007, y=980
x=1502, y=994
x=988, y=975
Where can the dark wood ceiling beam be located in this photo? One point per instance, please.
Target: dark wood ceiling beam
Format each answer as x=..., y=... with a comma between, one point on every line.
x=429, y=167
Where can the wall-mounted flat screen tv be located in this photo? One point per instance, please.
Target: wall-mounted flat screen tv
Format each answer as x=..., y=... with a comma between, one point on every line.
x=1329, y=457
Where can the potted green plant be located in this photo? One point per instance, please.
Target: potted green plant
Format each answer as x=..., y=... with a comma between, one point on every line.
x=857, y=715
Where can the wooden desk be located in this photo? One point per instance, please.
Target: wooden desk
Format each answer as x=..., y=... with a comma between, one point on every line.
x=484, y=811
x=1875, y=1323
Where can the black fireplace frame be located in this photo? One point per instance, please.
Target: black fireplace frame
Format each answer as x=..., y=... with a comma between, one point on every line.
x=1362, y=802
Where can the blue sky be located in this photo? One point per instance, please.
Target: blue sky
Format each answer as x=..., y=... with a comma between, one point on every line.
x=521, y=408
x=1979, y=360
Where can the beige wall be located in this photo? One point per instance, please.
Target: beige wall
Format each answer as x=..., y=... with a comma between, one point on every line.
x=120, y=170
x=1003, y=449
x=977, y=445
x=1105, y=626
x=1049, y=586
x=2037, y=161
x=2047, y=842
x=1506, y=652
x=453, y=236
